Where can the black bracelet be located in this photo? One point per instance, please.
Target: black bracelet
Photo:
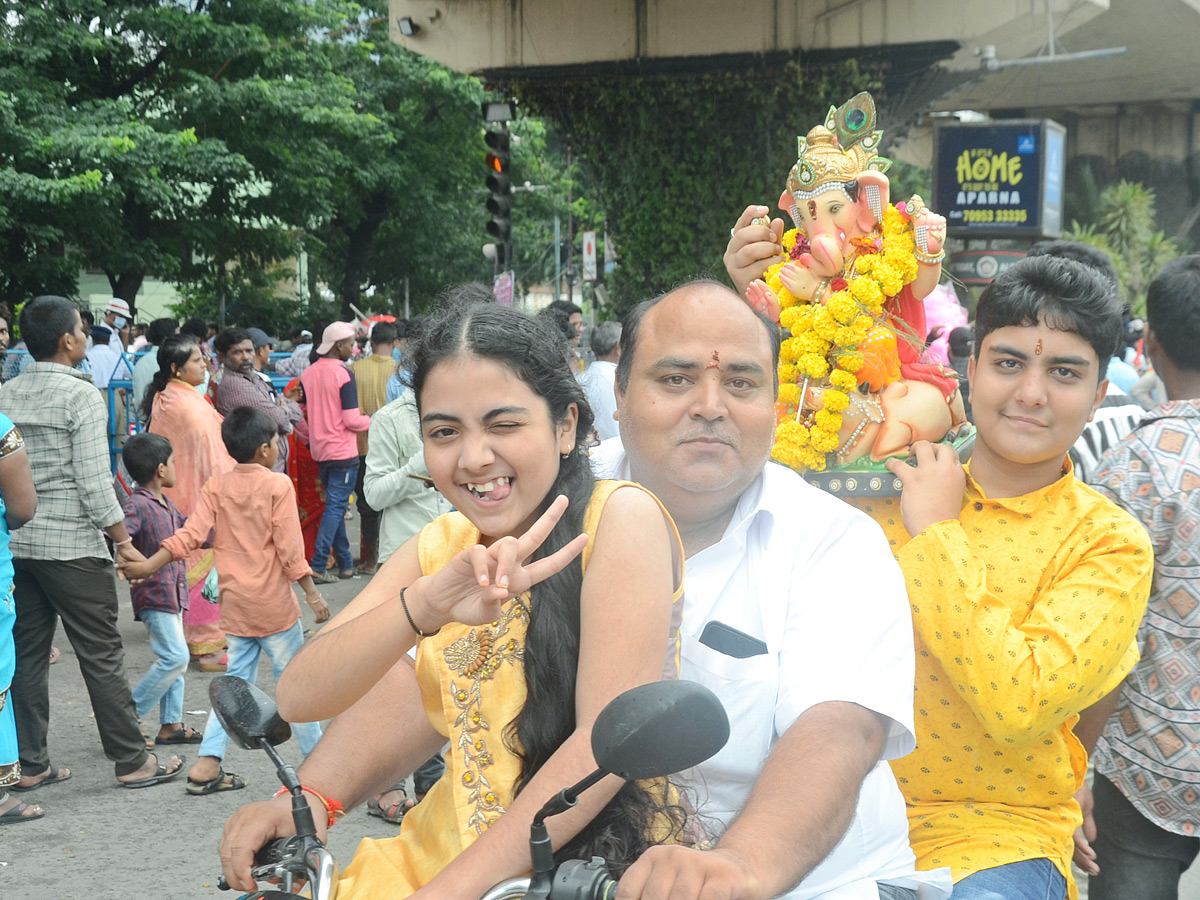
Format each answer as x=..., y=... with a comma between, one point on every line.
x=413, y=624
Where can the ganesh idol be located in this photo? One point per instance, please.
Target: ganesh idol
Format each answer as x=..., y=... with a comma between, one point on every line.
x=846, y=285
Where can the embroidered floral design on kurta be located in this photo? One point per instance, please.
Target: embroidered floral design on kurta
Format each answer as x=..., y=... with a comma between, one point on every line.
x=477, y=657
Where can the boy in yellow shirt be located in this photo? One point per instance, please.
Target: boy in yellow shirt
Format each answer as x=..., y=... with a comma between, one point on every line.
x=1026, y=589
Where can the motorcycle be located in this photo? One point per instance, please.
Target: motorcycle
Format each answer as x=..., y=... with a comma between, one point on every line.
x=649, y=731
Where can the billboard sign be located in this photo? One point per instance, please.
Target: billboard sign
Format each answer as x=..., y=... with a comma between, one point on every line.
x=1001, y=179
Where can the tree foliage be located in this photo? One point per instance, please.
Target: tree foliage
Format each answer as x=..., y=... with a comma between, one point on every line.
x=1122, y=224
x=405, y=200
x=676, y=158
x=191, y=138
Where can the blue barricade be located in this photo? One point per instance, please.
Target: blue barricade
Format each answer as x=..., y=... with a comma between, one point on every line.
x=118, y=430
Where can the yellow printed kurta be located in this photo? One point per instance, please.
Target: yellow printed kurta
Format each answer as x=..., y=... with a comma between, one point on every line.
x=1025, y=612
x=472, y=682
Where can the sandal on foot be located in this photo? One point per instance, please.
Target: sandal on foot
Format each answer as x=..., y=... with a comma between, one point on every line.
x=326, y=577
x=53, y=776
x=393, y=813
x=367, y=569
x=16, y=815
x=218, y=784
x=161, y=775
x=219, y=663
x=182, y=735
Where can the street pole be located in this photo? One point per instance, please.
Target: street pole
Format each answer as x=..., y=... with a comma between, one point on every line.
x=557, y=255
x=570, y=230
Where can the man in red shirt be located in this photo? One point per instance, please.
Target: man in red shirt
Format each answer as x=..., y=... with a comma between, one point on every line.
x=333, y=422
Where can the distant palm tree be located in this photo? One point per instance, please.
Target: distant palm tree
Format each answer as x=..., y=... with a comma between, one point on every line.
x=1123, y=225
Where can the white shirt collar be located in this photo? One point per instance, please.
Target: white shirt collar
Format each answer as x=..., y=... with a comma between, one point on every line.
x=609, y=460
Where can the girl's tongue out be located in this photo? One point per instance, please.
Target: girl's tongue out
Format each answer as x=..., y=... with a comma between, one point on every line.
x=496, y=489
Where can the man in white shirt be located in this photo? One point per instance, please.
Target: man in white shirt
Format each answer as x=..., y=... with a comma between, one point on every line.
x=795, y=614
x=147, y=364
x=116, y=320
x=598, y=379
x=107, y=361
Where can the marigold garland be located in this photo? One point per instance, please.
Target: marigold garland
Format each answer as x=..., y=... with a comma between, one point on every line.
x=826, y=337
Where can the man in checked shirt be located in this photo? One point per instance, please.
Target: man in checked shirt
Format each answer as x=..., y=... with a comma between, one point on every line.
x=241, y=386
x=63, y=567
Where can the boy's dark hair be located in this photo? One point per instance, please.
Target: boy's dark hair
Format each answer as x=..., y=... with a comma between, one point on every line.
x=144, y=453
x=1059, y=293
x=43, y=321
x=230, y=336
x=559, y=322
x=196, y=328
x=565, y=306
x=88, y=319
x=960, y=341
x=1092, y=257
x=383, y=333
x=160, y=330
x=246, y=429
x=1173, y=311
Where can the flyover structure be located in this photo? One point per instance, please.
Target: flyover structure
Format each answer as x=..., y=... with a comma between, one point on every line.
x=1134, y=114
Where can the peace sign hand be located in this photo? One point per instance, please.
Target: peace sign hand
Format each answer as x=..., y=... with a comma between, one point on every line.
x=475, y=584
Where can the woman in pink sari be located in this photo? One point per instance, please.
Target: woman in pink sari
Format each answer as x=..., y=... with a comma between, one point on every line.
x=181, y=414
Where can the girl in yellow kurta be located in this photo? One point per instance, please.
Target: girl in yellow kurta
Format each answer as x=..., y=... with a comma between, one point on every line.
x=543, y=597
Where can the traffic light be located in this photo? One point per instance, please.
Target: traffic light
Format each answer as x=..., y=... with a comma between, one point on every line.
x=499, y=186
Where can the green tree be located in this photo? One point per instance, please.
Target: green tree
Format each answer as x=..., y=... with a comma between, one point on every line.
x=405, y=198
x=1124, y=227
x=97, y=87
x=559, y=187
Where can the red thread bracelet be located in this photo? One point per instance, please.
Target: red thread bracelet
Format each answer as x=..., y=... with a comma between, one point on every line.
x=333, y=809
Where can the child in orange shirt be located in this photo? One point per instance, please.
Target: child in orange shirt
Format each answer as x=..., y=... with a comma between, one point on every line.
x=259, y=552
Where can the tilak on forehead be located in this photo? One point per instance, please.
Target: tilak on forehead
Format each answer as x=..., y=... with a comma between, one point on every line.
x=1037, y=351
x=715, y=362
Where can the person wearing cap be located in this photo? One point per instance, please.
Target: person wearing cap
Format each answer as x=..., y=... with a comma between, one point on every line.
x=241, y=385
x=298, y=361
x=263, y=345
x=334, y=420
x=371, y=374
x=116, y=319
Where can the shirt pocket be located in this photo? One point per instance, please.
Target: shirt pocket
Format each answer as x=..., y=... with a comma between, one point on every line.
x=747, y=689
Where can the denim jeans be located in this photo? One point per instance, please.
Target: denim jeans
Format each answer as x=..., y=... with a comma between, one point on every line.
x=338, y=476
x=1135, y=856
x=1029, y=879
x=163, y=681
x=243, y=662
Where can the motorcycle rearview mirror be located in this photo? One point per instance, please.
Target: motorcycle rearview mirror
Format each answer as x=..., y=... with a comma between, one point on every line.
x=647, y=732
x=247, y=713
x=659, y=729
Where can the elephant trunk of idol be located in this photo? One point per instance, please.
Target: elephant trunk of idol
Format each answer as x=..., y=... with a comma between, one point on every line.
x=825, y=258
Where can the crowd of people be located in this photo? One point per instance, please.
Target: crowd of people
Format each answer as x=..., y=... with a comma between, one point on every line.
x=915, y=685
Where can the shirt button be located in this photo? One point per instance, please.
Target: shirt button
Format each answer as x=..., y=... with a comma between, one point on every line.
x=978, y=507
